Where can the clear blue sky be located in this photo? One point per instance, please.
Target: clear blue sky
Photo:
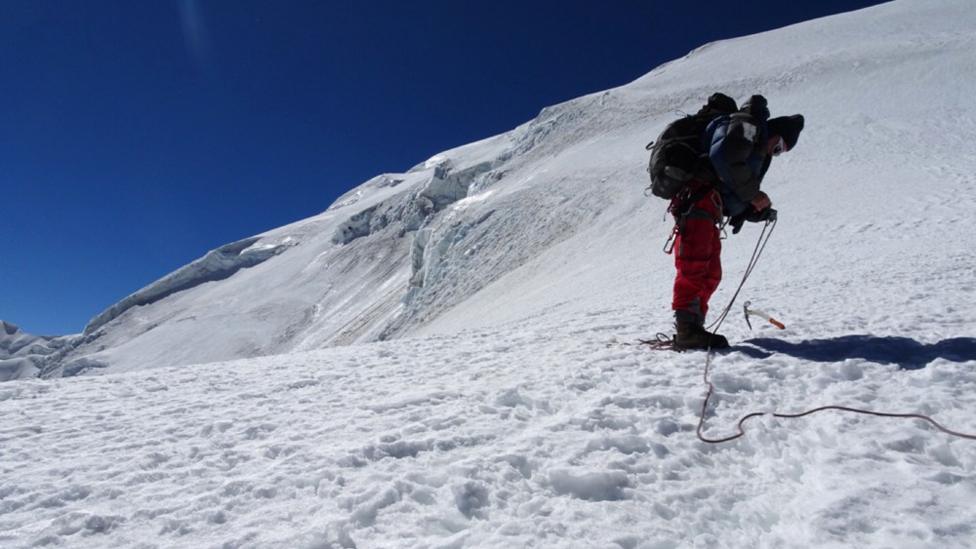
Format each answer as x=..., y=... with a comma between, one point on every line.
x=135, y=136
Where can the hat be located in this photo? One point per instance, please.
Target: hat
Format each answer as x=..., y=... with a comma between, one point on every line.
x=757, y=107
x=787, y=127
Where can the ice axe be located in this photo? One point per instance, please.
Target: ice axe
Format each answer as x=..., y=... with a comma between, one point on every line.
x=747, y=311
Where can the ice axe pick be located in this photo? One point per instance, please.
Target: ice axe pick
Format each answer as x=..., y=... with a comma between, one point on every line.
x=749, y=312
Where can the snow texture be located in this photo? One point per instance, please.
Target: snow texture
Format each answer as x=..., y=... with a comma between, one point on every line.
x=531, y=434
x=438, y=359
x=24, y=355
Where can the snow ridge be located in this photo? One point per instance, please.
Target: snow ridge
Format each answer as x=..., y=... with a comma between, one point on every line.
x=218, y=264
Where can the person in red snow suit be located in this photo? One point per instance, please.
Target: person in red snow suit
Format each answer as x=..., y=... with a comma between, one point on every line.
x=740, y=148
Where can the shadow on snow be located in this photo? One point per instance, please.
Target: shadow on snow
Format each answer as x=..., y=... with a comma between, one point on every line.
x=907, y=353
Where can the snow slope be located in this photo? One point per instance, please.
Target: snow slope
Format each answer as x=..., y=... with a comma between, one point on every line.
x=553, y=207
x=503, y=408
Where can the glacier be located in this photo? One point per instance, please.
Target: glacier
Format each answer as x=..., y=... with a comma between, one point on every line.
x=416, y=252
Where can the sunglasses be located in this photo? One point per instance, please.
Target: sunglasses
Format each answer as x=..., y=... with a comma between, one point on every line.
x=779, y=147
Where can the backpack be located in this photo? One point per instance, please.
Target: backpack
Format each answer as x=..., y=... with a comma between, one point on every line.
x=677, y=155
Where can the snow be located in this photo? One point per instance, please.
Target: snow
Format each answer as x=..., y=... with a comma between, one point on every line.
x=558, y=209
x=452, y=370
x=538, y=433
x=24, y=355
x=217, y=265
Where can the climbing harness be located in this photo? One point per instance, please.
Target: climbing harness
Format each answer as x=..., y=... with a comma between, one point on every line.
x=684, y=207
x=767, y=231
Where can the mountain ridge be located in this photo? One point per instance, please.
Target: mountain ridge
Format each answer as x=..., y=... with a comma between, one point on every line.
x=404, y=252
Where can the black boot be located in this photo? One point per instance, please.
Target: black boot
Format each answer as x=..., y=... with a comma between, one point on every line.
x=692, y=335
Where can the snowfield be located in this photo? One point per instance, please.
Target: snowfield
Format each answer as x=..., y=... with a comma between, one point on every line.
x=442, y=358
x=543, y=433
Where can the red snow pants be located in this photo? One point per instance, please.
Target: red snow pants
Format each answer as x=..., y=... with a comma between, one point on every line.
x=697, y=255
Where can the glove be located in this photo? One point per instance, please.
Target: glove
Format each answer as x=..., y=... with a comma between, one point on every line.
x=751, y=216
x=768, y=214
x=736, y=222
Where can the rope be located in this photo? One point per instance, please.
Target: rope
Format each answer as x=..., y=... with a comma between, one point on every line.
x=756, y=253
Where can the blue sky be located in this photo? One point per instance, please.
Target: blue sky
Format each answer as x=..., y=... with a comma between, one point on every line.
x=135, y=136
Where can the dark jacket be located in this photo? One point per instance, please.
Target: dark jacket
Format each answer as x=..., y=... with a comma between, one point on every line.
x=736, y=146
